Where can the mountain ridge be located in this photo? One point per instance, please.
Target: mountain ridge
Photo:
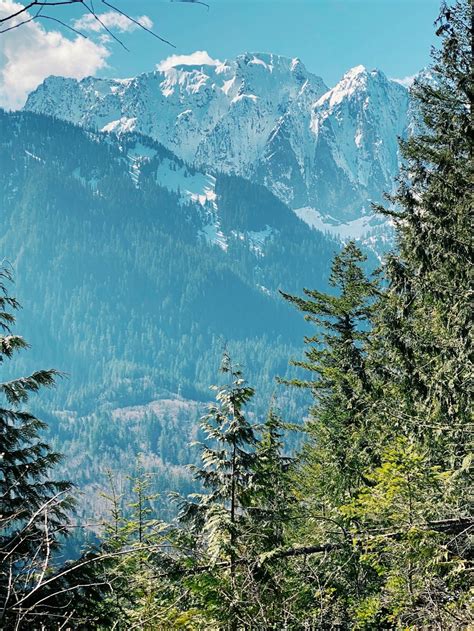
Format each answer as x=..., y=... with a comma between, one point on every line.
x=261, y=116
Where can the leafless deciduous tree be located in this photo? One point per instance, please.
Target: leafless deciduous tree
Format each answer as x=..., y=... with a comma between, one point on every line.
x=37, y=590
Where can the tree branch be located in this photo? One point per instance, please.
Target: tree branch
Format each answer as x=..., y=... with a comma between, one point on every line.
x=88, y=8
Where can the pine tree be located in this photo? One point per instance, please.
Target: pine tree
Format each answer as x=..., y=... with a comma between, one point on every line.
x=235, y=526
x=272, y=586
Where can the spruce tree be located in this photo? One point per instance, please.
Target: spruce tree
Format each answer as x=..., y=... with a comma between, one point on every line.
x=240, y=520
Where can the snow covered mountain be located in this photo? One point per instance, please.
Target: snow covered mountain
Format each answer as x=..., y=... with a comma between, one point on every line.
x=325, y=153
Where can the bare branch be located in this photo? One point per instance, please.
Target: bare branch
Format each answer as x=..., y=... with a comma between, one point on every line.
x=142, y=26
x=49, y=17
x=11, y=28
x=36, y=3
x=193, y=2
x=89, y=8
x=96, y=17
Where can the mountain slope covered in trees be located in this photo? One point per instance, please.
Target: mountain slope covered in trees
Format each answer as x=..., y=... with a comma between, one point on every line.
x=135, y=270
x=369, y=526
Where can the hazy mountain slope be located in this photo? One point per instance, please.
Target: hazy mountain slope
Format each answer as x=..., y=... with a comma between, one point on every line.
x=134, y=270
x=130, y=286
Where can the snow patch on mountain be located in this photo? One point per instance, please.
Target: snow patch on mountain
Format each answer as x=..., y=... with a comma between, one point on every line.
x=354, y=229
x=262, y=116
x=258, y=239
x=33, y=156
x=191, y=185
x=213, y=234
x=196, y=188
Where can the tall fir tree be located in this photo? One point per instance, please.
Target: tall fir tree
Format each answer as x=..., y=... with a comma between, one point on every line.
x=426, y=328
x=271, y=502
x=340, y=381
x=399, y=478
x=240, y=520
x=422, y=353
x=340, y=444
x=218, y=515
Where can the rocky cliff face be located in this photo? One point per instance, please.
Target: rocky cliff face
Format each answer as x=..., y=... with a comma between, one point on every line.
x=325, y=153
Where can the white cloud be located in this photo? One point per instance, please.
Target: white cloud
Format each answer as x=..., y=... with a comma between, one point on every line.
x=406, y=81
x=112, y=20
x=198, y=58
x=30, y=53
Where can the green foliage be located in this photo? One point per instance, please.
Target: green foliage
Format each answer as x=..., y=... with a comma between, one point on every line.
x=389, y=432
x=417, y=572
x=426, y=328
x=218, y=517
x=369, y=528
x=33, y=506
x=134, y=547
x=35, y=513
x=341, y=386
x=241, y=515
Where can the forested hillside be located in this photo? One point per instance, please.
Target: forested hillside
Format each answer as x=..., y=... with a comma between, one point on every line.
x=367, y=523
x=121, y=269
x=125, y=292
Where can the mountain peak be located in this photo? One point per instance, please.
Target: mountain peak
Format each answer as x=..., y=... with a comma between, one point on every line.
x=269, y=60
x=360, y=76
x=355, y=83
x=355, y=71
x=284, y=69
x=260, y=115
x=201, y=60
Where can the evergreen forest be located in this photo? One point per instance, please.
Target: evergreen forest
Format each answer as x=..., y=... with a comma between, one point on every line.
x=325, y=483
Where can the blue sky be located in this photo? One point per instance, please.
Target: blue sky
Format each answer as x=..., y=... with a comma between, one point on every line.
x=329, y=36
